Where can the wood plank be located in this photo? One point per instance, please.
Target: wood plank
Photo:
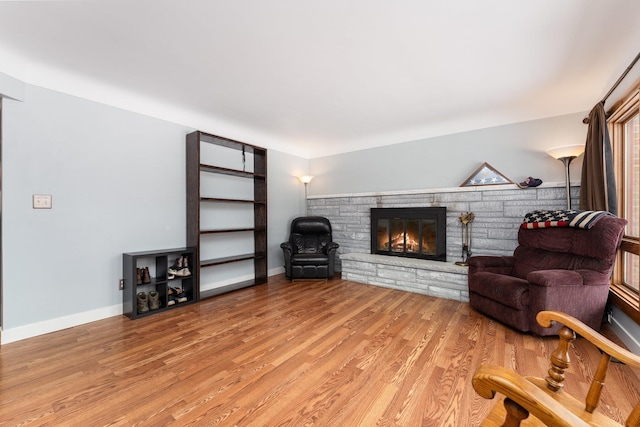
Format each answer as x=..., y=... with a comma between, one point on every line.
x=332, y=353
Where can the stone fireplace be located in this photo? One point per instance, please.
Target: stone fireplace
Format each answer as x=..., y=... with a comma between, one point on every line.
x=498, y=214
x=413, y=232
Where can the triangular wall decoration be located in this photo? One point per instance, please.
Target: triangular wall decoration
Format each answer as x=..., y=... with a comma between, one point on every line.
x=485, y=175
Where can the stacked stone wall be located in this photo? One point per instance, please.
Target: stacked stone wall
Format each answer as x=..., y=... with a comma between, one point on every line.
x=498, y=214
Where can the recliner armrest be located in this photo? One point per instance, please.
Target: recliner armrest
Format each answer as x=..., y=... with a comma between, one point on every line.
x=287, y=246
x=567, y=278
x=492, y=264
x=555, y=278
x=590, y=278
x=331, y=246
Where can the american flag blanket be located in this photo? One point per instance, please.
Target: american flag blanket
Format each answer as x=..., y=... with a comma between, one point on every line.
x=562, y=218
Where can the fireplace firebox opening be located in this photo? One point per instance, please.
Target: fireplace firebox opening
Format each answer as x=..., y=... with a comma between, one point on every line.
x=415, y=232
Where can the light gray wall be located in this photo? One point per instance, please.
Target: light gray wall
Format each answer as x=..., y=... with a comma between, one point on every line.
x=11, y=87
x=117, y=181
x=516, y=150
x=285, y=201
x=118, y=184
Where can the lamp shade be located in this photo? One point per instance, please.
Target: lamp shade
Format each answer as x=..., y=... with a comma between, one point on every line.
x=306, y=179
x=566, y=151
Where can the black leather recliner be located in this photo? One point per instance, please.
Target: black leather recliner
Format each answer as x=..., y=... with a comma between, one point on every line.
x=310, y=251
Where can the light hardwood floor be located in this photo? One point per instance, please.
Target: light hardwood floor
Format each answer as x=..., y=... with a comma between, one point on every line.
x=333, y=353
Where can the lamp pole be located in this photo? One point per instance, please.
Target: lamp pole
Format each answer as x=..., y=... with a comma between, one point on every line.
x=306, y=179
x=306, y=207
x=566, y=161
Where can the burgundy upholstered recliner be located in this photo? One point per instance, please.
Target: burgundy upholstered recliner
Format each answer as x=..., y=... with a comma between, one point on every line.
x=560, y=268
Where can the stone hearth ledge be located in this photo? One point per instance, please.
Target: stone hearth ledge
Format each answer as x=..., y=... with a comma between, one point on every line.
x=435, y=278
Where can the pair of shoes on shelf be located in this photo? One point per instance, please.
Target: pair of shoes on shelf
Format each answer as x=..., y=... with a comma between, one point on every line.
x=154, y=300
x=176, y=295
x=530, y=182
x=179, y=268
x=143, y=276
x=143, y=302
x=146, y=302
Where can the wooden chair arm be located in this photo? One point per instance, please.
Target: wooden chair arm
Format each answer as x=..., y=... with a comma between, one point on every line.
x=489, y=379
x=547, y=318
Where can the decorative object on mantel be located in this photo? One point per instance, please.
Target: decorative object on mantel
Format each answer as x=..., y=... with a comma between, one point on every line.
x=530, y=182
x=485, y=175
x=566, y=154
x=306, y=179
x=465, y=220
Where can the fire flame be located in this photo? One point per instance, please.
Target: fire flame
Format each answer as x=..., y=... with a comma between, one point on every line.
x=398, y=243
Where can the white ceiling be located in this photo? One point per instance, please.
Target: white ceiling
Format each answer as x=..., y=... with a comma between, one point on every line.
x=315, y=78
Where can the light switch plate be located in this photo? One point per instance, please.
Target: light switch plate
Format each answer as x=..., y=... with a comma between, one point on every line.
x=42, y=201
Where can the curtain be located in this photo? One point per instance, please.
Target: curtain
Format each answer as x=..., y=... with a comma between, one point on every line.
x=598, y=184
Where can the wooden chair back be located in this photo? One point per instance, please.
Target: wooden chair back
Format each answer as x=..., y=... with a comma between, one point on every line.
x=545, y=398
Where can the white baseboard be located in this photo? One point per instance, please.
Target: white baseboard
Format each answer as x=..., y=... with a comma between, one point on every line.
x=275, y=271
x=59, y=323
x=626, y=329
x=35, y=329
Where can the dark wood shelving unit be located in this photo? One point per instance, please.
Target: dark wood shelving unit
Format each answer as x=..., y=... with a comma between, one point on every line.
x=198, y=196
x=158, y=262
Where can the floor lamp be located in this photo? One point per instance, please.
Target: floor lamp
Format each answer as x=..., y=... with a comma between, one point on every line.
x=306, y=179
x=566, y=154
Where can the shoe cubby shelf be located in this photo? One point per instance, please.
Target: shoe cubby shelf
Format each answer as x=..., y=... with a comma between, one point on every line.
x=209, y=156
x=165, y=278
